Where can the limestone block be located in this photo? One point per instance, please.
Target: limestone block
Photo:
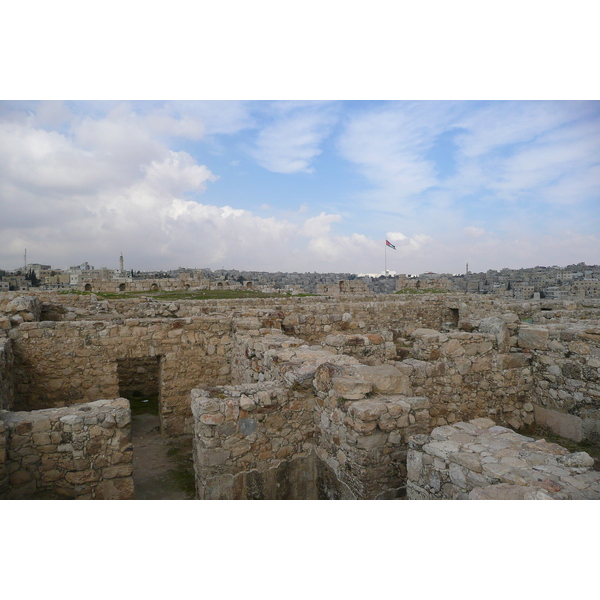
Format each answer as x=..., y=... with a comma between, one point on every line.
x=351, y=388
x=532, y=338
x=513, y=360
x=497, y=328
x=506, y=491
x=367, y=410
x=565, y=425
x=371, y=442
x=458, y=476
x=453, y=349
x=441, y=449
x=577, y=459
x=429, y=335
x=247, y=403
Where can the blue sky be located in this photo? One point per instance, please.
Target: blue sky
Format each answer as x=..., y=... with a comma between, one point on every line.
x=300, y=185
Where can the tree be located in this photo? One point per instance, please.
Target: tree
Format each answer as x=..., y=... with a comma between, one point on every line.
x=31, y=276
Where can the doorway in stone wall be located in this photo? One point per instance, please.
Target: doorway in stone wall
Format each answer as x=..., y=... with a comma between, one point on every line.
x=162, y=468
x=139, y=382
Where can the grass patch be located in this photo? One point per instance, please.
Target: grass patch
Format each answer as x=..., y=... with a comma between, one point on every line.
x=419, y=291
x=187, y=295
x=143, y=405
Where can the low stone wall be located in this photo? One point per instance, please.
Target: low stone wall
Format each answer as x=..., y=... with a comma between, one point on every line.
x=480, y=460
x=7, y=384
x=269, y=355
x=81, y=452
x=253, y=441
x=467, y=375
x=364, y=442
x=566, y=367
x=20, y=309
x=371, y=349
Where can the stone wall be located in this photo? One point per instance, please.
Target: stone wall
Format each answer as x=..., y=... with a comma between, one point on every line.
x=62, y=363
x=254, y=441
x=4, y=483
x=566, y=367
x=364, y=442
x=360, y=444
x=467, y=375
x=371, y=349
x=7, y=384
x=81, y=452
x=479, y=460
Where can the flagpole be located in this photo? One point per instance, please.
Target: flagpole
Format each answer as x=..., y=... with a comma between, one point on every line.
x=385, y=260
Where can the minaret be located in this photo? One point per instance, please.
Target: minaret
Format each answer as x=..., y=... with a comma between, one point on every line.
x=25, y=267
x=121, y=262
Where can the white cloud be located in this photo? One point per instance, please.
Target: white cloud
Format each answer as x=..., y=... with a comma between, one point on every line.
x=319, y=226
x=473, y=232
x=81, y=185
x=388, y=145
x=292, y=141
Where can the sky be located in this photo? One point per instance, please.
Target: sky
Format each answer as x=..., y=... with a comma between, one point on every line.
x=300, y=185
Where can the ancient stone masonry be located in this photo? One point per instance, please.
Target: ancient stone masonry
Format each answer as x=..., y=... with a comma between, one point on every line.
x=82, y=452
x=479, y=460
x=299, y=397
x=466, y=375
x=566, y=368
x=311, y=420
x=7, y=385
x=60, y=363
x=253, y=441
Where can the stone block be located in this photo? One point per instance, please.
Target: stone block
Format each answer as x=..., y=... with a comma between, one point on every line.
x=564, y=425
x=371, y=442
x=367, y=410
x=533, y=339
x=212, y=458
x=351, y=388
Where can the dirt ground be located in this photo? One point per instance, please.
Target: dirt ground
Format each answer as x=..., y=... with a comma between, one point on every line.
x=163, y=469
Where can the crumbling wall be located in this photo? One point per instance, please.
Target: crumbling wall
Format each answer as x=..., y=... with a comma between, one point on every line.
x=3, y=471
x=7, y=384
x=468, y=375
x=479, y=460
x=566, y=367
x=254, y=441
x=63, y=363
x=364, y=442
x=81, y=452
x=371, y=348
x=269, y=355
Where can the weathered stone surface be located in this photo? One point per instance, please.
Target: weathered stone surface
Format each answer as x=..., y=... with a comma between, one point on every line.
x=73, y=468
x=533, y=339
x=385, y=379
x=498, y=464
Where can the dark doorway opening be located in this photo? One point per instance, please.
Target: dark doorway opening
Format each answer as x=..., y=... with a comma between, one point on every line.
x=139, y=382
x=454, y=316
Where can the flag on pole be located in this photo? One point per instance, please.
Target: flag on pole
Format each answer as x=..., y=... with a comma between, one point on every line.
x=390, y=245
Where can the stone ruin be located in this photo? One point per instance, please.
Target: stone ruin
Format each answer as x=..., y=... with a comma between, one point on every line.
x=368, y=397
